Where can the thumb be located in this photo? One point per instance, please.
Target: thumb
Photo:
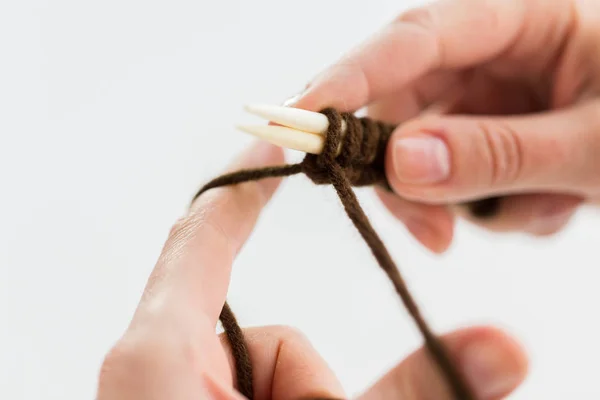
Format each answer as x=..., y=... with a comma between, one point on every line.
x=457, y=158
x=492, y=362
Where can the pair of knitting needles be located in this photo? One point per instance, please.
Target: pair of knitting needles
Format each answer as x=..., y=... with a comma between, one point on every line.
x=305, y=131
x=296, y=129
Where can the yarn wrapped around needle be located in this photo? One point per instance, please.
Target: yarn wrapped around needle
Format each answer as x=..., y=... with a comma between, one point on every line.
x=344, y=151
x=306, y=131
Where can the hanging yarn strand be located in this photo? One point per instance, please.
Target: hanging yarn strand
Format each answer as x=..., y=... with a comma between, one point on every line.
x=355, y=159
x=239, y=350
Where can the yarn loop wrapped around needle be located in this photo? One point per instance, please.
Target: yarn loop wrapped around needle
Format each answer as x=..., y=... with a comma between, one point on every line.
x=355, y=158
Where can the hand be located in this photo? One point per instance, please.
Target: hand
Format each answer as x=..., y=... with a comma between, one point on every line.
x=496, y=97
x=171, y=349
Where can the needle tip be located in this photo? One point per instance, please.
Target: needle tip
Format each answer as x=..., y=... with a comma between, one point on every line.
x=295, y=118
x=251, y=107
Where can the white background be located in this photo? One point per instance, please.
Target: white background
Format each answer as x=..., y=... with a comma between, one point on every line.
x=112, y=113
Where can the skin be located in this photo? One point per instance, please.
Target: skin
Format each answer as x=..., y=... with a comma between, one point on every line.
x=171, y=350
x=510, y=87
x=516, y=105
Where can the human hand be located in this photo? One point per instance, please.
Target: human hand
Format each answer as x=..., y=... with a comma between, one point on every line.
x=495, y=97
x=171, y=349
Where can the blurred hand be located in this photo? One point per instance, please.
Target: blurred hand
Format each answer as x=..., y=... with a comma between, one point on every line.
x=496, y=97
x=171, y=349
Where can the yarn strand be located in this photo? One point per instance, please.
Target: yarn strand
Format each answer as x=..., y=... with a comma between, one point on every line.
x=239, y=350
x=233, y=332
x=364, y=227
x=360, y=163
x=247, y=175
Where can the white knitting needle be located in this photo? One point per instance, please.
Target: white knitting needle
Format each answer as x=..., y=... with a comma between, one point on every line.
x=301, y=129
x=303, y=120
x=287, y=137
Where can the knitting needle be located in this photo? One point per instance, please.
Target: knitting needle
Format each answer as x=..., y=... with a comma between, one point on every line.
x=287, y=137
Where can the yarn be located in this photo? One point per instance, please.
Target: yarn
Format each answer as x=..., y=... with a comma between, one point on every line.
x=355, y=158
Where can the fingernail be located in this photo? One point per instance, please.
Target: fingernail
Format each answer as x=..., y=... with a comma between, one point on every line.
x=487, y=368
x=290, y=102
x=421, y=160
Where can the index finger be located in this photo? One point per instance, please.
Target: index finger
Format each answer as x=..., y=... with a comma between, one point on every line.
x=191, y=277
x=446, y=34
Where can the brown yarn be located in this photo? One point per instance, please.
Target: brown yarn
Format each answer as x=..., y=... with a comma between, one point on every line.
x=235, y=336
x=359, y=163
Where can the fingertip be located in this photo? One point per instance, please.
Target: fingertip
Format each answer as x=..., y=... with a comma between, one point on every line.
x=432, y=226
x=342, y=86
x=430, y=235
x=493, y=362
x=501, y=338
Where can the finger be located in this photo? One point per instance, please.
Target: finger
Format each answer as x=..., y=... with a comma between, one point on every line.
x=493, y=364
x=538, y=214
x=286, y=366
x=431, y=225
x=193, y=270
x=435, y=37
x=418, y=98
x=485, y=94
x=446, y=159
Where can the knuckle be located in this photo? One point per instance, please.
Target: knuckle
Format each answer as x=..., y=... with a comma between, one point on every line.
x=122, y=364
x=223, y=214
x=504, y=152
x=183, y=227
x=155, y=354
x=129, y=351
x=238, y=200
x=182, y=231
x=237, y=204
x=251, y=196
x=220, y=236
x=177, y=226
x=111, y=361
